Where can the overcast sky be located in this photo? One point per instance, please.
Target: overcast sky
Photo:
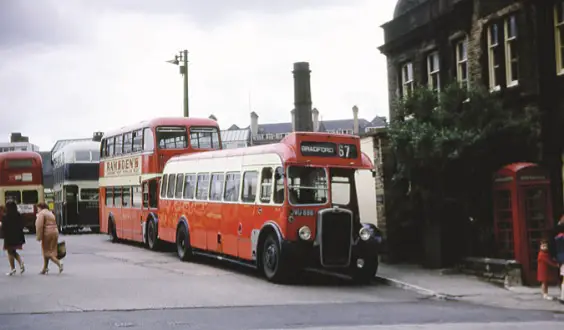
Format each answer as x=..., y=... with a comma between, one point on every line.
x=68, y=68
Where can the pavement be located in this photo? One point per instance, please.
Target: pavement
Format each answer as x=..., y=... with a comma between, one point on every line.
x=466, y=288
x=109, y=286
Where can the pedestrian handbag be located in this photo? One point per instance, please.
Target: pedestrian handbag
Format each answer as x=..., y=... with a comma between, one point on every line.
x=61, y=250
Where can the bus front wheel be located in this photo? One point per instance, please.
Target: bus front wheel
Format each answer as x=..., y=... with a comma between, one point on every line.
x=183, y=248
x=274, y=266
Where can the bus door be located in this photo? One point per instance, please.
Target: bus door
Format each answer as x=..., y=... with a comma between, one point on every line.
x=150, y=199
x=137, y=212
x=128, y=217
x=247, y=212
x=70, y=208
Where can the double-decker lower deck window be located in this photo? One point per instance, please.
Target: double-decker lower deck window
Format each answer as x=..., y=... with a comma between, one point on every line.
x=30, y=197
x=204, y=138
x=307, y=185
x=172, y=137
x=89, y=194
x=14, y=195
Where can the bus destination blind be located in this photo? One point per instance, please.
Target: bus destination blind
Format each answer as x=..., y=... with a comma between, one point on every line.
x=328, y=149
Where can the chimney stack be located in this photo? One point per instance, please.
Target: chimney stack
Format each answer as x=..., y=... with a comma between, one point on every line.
x=355, y=120
x=212, y=117
x=302, y=97
x=254, y=124
x=97, y=136
x=293, y=114
x=315, y=119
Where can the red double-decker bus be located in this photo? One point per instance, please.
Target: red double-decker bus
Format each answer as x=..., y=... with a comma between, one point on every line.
x=131, y=163
x=21, y=180
x=281, y=207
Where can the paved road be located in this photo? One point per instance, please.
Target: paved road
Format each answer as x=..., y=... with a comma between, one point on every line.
x=109, y=286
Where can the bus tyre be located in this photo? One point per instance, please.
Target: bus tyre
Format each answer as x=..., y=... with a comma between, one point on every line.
x=112, y=232
x=365, y=275
x=183, y=248
x=152, y=240
x=274, y=267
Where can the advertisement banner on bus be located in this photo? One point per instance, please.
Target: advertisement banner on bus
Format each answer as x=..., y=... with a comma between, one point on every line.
x=123, y=166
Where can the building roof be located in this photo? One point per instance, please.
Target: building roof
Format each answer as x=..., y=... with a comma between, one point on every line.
x=324, y=125
x=403, y=6
x=232, y=135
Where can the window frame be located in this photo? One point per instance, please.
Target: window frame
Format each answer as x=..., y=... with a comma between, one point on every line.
x=461, y=61
x=493, y=82
x=558, y=34
x=508, y=40
x=407, y=79
x=432, y=71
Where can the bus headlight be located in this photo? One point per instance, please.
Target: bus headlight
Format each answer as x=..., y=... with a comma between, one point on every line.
x=364, y=234
x=305, y=233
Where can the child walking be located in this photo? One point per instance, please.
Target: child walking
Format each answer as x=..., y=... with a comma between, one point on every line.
x=545, y=264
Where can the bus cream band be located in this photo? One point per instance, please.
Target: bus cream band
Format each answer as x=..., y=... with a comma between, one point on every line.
x=123, y=166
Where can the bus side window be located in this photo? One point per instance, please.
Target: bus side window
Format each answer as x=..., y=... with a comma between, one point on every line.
x=126, y=197
x=203, y=186
x=109, y=196
x=279, y=185
x=179, y=183
x=266, y=185
x=148, y=139
x=137, y=140
x=163, y=186
x=118, y=147
x=232, y=185
x=189, y=186
x=136, y=196
x=249, y=193
x=145, y=194
x=216, y=190
x=171, y=185
x=127, y=143
x=117, y=196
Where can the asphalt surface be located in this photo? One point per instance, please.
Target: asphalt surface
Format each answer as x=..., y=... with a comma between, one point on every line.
x=113, y=286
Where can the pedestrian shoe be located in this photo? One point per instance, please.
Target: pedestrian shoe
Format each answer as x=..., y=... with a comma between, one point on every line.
x=44, y=271
x=11, y=273
x=61, y=267
x=547, y=297
x=22, y=269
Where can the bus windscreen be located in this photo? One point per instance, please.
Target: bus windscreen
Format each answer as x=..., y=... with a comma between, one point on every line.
x=172, y=137
x=204, y=138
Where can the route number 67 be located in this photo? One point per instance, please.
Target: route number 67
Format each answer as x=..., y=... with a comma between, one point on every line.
x=344, y=150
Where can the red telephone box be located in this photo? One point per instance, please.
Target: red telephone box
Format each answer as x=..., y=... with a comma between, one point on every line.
x=522, y=214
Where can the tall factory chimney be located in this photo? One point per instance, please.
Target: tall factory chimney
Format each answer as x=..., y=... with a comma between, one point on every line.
x=302, y=97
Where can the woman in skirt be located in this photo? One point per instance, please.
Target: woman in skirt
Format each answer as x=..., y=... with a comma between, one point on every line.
x=48, y=235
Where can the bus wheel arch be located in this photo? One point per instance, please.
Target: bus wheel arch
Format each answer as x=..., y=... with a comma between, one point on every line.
x=152, y=232
x=183, y=246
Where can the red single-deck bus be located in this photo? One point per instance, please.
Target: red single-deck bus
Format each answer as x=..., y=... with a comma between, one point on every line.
x=21, y=180
x=281, y=207
x=132, y=160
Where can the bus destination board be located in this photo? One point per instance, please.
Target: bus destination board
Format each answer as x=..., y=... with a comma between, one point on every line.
x=328, y=149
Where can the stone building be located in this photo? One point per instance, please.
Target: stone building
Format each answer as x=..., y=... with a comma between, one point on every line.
x=514, y=47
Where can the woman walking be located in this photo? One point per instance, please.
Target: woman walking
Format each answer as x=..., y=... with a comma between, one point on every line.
x=48, y=235
x=14, y=239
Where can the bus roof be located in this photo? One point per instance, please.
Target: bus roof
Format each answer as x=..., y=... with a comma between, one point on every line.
x=289, y=152
x=164, y=121
x=79, y=146
x=20, y=155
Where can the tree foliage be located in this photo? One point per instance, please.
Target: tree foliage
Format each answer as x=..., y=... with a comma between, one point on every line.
x=448, y=145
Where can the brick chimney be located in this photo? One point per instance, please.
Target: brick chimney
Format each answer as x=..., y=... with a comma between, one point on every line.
x=315, y=119
x=355, y=120
x=254, y=124
x=302, y=97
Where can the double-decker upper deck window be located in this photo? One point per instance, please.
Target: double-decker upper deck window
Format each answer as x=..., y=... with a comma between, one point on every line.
x=204, y=138
x=137, y=140
x=19, y=163
x=172, y=137
x=127, y=142
x=307, y=185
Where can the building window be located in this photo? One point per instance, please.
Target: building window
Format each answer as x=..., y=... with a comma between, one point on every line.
x=559, y=35
x=493, y=56
x=433, y=69
x=462, y=62
x=511, y=52
x=407, y=83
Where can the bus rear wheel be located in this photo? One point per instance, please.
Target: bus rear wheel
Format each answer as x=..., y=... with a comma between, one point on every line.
x=183, y=248
x=152, y=240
